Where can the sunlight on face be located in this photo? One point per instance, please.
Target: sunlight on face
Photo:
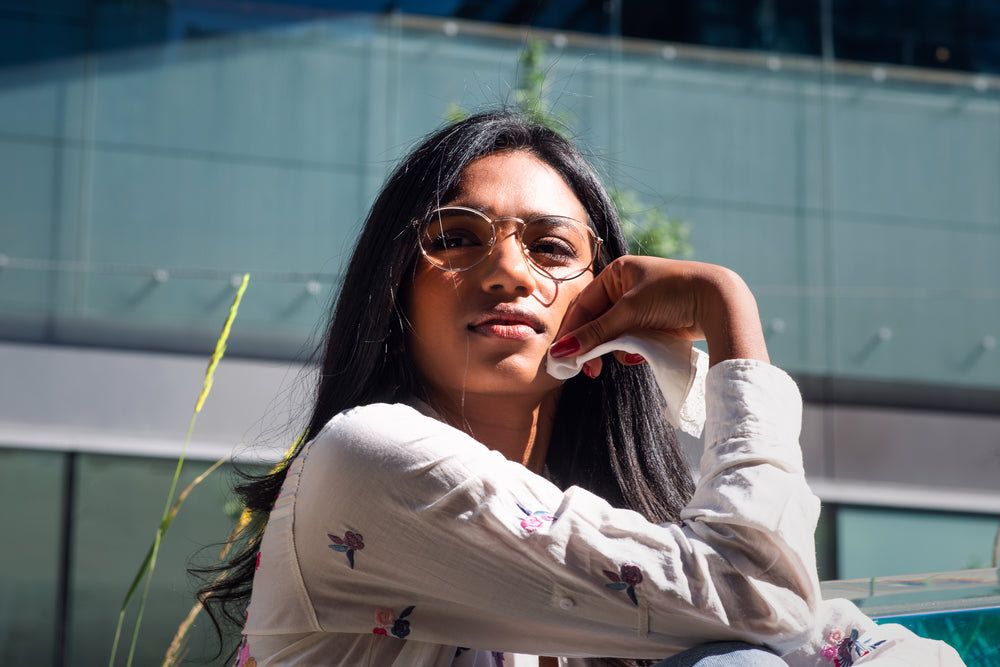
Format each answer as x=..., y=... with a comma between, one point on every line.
x=486, y=330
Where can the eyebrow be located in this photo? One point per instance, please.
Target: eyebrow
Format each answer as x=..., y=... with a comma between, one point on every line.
x=492, y=214
x=460, y=201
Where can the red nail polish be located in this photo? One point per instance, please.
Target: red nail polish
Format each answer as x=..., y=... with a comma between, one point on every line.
x=565, y=347
x=632, y=358
x=586, y=371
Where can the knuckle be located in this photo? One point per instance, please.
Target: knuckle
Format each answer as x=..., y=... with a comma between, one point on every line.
x=598, y=331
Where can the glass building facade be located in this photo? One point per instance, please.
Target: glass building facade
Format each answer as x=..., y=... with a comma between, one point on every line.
x=844, y=157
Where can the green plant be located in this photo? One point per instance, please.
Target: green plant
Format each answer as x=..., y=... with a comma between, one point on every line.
x=648, y=230
x=172, y=507
x=173, y=655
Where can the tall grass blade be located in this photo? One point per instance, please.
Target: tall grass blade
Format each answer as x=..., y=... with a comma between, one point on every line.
x=173, y=652
x=170, y=508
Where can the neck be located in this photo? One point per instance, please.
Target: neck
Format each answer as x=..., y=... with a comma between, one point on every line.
x=516, y=426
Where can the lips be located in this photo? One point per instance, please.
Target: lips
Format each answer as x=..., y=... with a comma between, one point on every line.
x=507, y=321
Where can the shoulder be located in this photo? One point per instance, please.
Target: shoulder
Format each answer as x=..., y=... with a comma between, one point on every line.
x=380, y=422
x=386, y=427
x=388, y=444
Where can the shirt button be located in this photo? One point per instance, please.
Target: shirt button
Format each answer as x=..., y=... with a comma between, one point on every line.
x=566, y=603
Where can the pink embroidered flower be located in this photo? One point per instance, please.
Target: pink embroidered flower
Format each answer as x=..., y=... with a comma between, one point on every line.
x=534, y=520
x=384, y=617
x=841, y=650
x=386, y=622
x=244, y=654
x=531, y=523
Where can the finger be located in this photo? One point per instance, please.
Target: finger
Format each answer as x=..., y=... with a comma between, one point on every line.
x=590, y=303
x=629, y=358
x=593, y=367
x=617, y=320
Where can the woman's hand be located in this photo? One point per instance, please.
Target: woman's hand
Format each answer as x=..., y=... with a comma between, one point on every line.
x=691, y=300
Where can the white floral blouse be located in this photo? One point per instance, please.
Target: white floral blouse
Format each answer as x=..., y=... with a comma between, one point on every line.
x=400, y=541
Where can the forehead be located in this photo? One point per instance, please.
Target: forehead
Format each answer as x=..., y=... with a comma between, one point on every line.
x=516, y=184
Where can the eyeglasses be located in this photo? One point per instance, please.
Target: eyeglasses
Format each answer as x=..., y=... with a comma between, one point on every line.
x=457, y=238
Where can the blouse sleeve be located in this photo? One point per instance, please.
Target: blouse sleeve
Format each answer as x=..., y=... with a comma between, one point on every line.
x=407, y=527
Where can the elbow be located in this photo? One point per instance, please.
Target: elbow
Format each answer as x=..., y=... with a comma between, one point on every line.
x=775, y=614
x=785, y=619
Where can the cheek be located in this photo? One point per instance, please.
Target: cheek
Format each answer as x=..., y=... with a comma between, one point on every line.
x=568, y=293
x=432, y=301
x=431, y=310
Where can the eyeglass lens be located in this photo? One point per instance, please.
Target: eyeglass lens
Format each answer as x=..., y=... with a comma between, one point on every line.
x=457, y=239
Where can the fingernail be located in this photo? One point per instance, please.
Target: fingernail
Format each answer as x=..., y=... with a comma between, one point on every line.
x=632, y=358
x=565, y=347
x=586, y=371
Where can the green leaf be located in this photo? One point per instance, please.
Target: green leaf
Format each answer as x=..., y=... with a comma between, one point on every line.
x=170, y=509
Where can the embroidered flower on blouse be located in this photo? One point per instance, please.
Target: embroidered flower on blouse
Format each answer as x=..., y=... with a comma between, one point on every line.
x=534, y=520
x=842, y=651
x=384, y=617
x=349, y=543
x=243, y=657
x=629, y=577
x=386, y=622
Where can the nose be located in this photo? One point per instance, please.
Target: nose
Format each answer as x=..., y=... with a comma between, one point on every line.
x=506, y=269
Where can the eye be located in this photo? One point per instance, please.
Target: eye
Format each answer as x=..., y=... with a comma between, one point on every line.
x=554, y=246
x=438, y=238
x=555, y=240
x=454, y=230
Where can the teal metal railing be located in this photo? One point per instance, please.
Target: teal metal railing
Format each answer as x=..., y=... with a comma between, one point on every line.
x=961, y=608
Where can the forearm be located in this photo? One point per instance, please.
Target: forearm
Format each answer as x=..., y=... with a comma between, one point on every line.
x=728, y=316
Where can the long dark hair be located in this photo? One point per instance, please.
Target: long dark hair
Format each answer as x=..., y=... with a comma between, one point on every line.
x=609, y=434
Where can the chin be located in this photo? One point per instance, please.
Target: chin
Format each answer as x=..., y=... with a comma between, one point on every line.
x=489, y=374
x=520, y=378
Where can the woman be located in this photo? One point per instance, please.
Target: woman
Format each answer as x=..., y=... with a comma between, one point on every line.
x=452, y=503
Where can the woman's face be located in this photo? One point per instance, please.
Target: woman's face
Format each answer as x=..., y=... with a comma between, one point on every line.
x=486, y=330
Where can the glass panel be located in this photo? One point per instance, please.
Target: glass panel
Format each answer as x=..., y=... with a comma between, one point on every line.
x=881, y=542
x=858, y=203
x=31, y=491
x=118, y=507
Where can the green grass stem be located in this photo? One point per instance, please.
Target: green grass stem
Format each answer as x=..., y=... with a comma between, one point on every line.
x=171, y=508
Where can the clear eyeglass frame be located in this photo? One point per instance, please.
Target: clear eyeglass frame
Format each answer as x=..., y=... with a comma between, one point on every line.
x=595, y=240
